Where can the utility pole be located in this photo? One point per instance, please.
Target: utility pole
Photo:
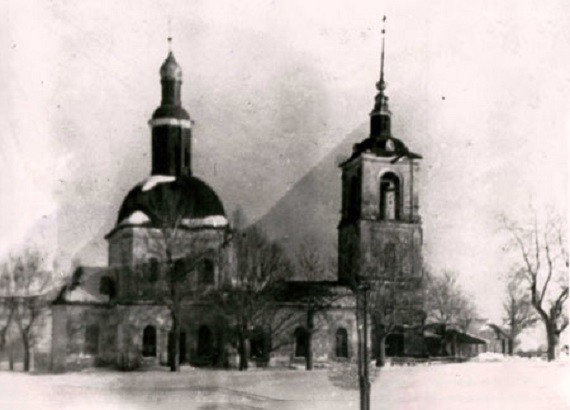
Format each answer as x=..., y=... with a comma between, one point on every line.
x=363, y=362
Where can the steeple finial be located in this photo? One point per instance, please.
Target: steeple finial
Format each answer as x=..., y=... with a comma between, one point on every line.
x=169, y=38
x=380, y=115
x=381, y=104
x=381, y=84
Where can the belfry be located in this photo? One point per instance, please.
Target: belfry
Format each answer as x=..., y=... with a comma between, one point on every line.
x=380, y=231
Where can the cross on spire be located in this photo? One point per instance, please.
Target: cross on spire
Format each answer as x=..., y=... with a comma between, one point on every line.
x=169, y=38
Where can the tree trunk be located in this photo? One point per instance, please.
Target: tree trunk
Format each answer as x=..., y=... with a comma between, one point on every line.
x=243, y=344
x=11, y=355
x=175, y=344
x=552, y=340
x=381, y=359
x=363, y=377
x=310, y=329
x=26, y=345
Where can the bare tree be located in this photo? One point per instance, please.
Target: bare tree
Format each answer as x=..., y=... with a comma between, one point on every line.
x=6, y=304
x=518, y=310
x=247, y=301
x=25, y=297
x=446, y=302
x=543, y=250
x=314, y=294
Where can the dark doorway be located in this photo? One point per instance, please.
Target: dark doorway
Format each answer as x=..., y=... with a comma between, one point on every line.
x=259, y=345
x=204, y=341
x=149, y=342
x=395, y=345
x=301, y=342
x=341, y=343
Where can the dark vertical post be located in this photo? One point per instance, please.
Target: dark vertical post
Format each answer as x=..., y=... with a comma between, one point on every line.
x=365, y=353
x=310, y=331
x=362, y=325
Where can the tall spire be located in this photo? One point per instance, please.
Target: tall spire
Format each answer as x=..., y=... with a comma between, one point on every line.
x=381, y=85
x=380, y=115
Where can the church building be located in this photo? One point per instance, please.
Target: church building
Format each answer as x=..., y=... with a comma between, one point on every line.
x=118, y=315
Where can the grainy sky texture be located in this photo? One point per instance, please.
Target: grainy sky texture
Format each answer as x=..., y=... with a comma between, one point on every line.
x=481, y=89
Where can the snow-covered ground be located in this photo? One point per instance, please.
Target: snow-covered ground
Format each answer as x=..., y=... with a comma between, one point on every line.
x=504, y=385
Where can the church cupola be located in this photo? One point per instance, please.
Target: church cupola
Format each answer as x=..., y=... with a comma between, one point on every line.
x=380, y=115
x=171, y=125
x=171, y=79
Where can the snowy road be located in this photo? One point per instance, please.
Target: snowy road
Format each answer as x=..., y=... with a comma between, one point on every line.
x=517, y=385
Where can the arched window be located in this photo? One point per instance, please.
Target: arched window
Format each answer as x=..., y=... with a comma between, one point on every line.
x=206, y=274
x=204, y=341
x=301, y=342
x=92, y=339
x=149, y=341
x=389, y=197
x=341, y=343
x=154, y=268
x=107, y=286
x=354, y=198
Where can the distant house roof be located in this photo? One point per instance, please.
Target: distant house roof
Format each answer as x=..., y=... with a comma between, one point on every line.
x=464, y=337
x=441, y=330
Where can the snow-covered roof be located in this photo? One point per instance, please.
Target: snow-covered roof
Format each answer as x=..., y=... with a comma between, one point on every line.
x=162, y=196
x=216, y=221
x=154, y=180
x=136, y=218
x=80, y=295
x=84, y=286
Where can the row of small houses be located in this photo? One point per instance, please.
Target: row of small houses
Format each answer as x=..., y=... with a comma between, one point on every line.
x=438, y=340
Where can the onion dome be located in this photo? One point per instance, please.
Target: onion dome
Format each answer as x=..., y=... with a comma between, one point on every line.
x=163, y=200
x=170, y=69
x=171, y=80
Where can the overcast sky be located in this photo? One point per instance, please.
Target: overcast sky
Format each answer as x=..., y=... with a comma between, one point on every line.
x=480, y=89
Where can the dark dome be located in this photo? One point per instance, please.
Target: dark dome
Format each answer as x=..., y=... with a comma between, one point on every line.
x=166, y=198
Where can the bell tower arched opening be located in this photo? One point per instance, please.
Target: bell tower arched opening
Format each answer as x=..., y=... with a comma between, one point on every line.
x=390, y=193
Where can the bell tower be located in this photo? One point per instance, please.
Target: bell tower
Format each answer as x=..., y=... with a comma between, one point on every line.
x=380, y=232
x=171, y=125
